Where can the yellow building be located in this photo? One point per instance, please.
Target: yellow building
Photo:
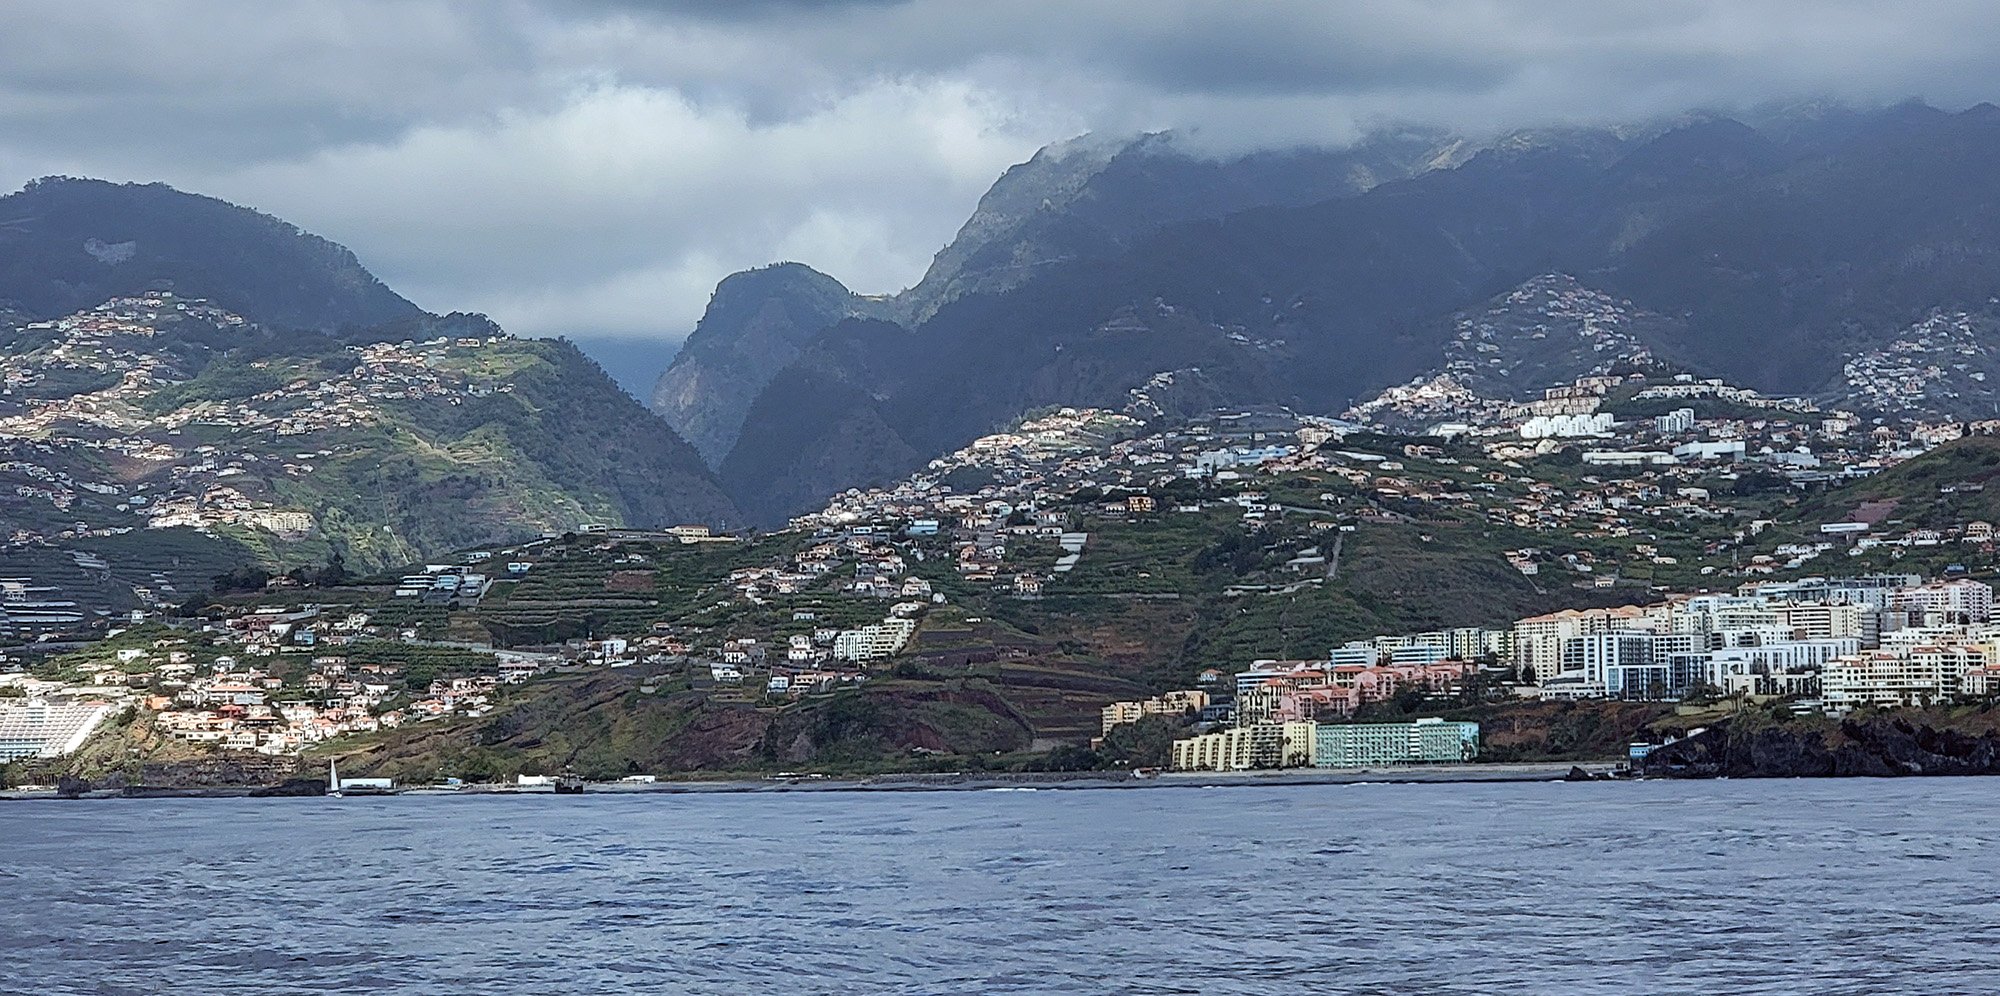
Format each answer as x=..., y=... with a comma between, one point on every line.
x=1170, y=704
x=1245, y=748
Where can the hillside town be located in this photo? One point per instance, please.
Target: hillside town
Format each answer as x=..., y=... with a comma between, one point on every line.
x=1629, y=482
x=123, y=428
x=192, y=444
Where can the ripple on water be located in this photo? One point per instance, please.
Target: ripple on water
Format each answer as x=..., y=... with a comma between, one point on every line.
x=1658, y=888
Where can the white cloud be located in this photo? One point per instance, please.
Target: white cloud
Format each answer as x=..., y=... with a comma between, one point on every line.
x=559, y=221
x=593, y=168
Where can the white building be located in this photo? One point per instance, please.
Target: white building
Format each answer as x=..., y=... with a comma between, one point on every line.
x=39, y=729
x=873, y=642
x=1674, y=422
x=1922, y=676
x=1957, y=601
x=1566, y=426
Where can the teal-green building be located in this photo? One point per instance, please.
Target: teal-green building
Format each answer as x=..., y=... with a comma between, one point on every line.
x=1370, y=745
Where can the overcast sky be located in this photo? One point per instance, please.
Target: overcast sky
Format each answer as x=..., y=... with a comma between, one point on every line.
x=592, y=168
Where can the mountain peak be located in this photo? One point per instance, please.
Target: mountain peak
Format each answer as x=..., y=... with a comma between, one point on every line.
x=746, y=288
x=1700, y=154
x=756, y=322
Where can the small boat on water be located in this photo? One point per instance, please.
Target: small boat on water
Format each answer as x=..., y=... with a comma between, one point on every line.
x=337, y=787
x=569, y=783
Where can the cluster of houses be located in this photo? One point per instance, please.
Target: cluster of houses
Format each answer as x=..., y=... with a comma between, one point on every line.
x=275, y=681
x=1018, y=476
x=807, y=666
x=1787, y=436
x=1498, y=343
x=201, y=496
x=211, y=459
x=45, y=435
x=830, y=653
x=1639, y=476
x=865, y=563
x=1943, y=361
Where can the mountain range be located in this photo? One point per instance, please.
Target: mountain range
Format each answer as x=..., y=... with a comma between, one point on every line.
x=1771, y=250
x=1818, y=251
x=192, y=387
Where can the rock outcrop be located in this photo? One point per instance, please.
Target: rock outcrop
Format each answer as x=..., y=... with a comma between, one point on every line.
x=1875, y=746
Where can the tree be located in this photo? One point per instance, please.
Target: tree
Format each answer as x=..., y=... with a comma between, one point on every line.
x=1071, y=757
x=333, y=574
x=1757, y=481
x=1408, y=699
x=248, y=577
x=1148, y=743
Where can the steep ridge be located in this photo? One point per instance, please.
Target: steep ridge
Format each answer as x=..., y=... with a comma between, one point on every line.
x=1245, y=299
x=1092, y=196
x=755, y=325
x=1074, y=201
x=1782, y=273
x=159, y=421
x=68, y=244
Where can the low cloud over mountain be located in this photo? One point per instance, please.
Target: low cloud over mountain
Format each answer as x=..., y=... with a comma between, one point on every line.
x=595, y=168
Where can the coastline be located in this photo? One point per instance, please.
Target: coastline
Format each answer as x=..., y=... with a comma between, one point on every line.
x=926, y=782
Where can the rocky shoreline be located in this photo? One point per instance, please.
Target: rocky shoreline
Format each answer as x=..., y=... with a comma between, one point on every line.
x=1878, y=746
x=1873, y=745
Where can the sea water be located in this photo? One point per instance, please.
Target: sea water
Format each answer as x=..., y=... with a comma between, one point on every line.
x=1837, y=886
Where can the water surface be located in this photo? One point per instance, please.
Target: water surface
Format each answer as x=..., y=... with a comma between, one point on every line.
x=1858, y=886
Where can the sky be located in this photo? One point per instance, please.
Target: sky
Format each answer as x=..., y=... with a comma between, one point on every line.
x=592, y=169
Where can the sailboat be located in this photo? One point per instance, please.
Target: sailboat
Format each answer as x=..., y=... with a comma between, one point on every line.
x=332, y=779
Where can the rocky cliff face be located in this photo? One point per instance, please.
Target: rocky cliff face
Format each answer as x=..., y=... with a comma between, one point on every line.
x=1876, y=746
x=1080, y=200
x=1094, y=196
x=755, y=325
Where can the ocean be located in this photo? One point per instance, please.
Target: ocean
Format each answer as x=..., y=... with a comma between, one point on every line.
x=1834, y=886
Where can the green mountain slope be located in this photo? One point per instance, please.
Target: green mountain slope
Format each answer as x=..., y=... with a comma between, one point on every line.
x=158, y=415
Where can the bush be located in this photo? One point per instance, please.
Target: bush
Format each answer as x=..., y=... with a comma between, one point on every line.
x=1148, y=743
x=1070, y=757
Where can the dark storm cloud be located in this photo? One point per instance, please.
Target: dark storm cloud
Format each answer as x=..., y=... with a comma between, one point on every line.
x=595, y=166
